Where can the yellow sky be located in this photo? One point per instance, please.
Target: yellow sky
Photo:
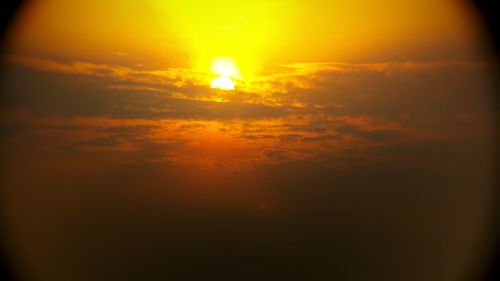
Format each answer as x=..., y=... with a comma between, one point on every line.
x=256, y=34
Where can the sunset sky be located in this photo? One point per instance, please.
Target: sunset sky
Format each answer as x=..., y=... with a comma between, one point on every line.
x=302, y=140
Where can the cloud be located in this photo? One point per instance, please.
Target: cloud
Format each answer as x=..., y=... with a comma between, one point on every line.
x=331, y=86
x=373, y=135
x=300, y=165
x=321, y=138
x=277, y=155
x=173, y=77
x=326, y=112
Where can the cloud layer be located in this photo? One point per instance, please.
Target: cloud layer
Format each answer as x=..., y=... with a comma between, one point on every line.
x=308, y=171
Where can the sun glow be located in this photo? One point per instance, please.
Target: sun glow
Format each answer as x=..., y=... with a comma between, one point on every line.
x=226, y=69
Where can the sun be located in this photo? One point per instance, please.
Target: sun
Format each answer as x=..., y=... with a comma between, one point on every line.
x=226, y=69
x=224, y=83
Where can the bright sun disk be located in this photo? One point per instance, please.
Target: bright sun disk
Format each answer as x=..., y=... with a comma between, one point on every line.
x=226, y=69
x=224, y=83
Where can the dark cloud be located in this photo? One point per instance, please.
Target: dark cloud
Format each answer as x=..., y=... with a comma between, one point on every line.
x=255, y=137
x=290, y=137
x=372, y=135
x=321, y=138
x=68, y=95
x=363, y=171
x=276, y=154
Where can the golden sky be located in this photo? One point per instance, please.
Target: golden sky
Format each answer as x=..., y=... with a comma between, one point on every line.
x=256, y=34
